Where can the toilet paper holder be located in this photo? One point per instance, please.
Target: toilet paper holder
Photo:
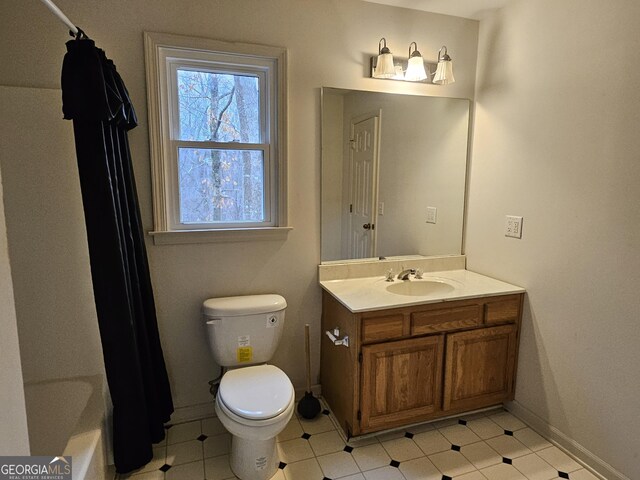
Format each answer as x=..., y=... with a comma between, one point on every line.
x=334, y=337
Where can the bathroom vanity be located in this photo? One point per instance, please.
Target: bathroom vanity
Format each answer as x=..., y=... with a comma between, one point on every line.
x=404, y=352
x=418, y=349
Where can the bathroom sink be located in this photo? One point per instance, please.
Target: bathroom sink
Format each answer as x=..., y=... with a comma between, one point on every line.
x=420, y=288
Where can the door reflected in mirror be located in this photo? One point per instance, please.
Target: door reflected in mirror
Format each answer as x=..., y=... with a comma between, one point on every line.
x=393, y=174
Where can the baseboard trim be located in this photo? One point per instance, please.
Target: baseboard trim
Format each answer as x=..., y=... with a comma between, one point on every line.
x=588, y=459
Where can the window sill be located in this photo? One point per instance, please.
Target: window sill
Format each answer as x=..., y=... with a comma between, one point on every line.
x=177, y=237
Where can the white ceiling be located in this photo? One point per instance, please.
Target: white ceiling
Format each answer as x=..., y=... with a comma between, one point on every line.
x=474, y=9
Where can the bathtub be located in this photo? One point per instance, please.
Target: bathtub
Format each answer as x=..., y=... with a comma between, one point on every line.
x=67, y=417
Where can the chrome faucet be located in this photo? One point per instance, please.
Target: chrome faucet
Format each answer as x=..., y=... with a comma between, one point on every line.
x=404, y=274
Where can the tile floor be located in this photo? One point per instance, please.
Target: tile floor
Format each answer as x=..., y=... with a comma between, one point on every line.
x=493, y=445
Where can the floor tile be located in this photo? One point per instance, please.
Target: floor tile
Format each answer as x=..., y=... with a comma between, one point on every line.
x=508, y=446
x=531, y=439
x=534, y=468
x=183, y=432
x=425, y=427
x=370, y=457
x=485, y=428
x=217, y=445
x=217, y=468
x=558, y=459
x=420, y=469
x=357, y=476
x=402, y=449
x=279, y=475
x=322, y=423
x=432, y=442
x=212, y=426
x=384, y=473
x=383, y=437
x=336, y=465
x=294, y=450
x=477, y=416
x=451, y=463
x=188, y=471
x=326, y=442
x=459, y=435
x=362, y=442
x=185, y=452
x=507, y=421
x=471, y=476
x=304, y=470
x=481, y=455
x=425, y=453
x=155, y=475
x=502, y=472
x=583, y=474
x=291, y=431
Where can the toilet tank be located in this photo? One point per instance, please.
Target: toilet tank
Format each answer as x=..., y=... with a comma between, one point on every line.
x=244, y=330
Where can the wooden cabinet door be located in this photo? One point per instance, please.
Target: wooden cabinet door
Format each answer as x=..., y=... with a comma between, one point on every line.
x=480, y=367
x=401, y=382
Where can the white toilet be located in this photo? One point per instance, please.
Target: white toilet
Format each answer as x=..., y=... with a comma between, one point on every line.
x=255, y=401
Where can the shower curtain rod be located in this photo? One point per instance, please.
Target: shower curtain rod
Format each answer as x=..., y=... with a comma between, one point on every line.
x=56, y=11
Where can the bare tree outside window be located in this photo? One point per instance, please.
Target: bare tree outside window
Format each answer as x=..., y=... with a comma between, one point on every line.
x=220, y=184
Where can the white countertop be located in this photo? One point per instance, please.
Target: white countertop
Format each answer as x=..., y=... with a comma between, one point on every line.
x=370, y=293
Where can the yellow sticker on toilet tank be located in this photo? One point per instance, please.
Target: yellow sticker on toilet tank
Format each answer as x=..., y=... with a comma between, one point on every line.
x=245, y=354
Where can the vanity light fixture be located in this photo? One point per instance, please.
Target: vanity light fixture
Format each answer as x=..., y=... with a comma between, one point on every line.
x=384, y=66
x=444, y=72
x=415, y=65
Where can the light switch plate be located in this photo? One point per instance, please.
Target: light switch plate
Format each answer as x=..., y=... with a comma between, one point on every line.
x=513, y=226
x=432, y=213
x=380, y=208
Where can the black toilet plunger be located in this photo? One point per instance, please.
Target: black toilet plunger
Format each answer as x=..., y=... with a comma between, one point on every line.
x=308, y=406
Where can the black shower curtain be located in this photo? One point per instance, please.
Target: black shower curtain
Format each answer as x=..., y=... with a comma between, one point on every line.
x=95, y=98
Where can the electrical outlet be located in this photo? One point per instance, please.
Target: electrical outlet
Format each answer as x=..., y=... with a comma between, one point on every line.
x=431, y=214
x=513, y=226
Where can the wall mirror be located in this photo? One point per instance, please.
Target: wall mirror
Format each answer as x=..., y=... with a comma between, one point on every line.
x=393, y=174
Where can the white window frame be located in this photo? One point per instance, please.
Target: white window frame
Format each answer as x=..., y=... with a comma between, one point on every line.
x=164, y=55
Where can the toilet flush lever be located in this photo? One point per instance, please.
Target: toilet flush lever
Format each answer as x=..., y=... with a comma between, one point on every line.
x=333, y=336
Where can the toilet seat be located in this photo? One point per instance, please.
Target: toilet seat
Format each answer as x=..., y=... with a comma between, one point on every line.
x=255, y=395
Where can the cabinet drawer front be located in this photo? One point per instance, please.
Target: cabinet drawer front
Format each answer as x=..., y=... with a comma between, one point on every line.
x=445, y=319
x=502, y=311
x=382, y=328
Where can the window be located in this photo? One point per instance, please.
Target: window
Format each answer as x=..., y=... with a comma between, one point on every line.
x=218, y=134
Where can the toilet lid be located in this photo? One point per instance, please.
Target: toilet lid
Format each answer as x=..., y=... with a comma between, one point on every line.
x=256, y=393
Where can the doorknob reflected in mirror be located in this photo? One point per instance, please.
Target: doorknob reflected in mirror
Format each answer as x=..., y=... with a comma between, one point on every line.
x=367, y=226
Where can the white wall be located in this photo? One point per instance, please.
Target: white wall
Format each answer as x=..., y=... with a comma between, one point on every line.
x=56, y=313
x=54, y=305
x=14, y=439
x=329, y=43
x=556, y=140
